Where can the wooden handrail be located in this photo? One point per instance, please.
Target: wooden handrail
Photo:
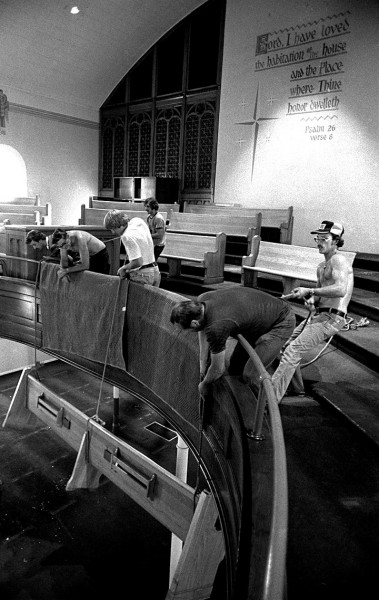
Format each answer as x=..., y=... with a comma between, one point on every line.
x=29, y=260
x=276, y=557
x=230, y=463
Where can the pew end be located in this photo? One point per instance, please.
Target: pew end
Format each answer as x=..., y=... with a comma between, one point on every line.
x=204, y=251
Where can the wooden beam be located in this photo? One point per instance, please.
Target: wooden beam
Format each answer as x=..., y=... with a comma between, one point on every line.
x=202, y=553
x=18, y=412
x=100, y=452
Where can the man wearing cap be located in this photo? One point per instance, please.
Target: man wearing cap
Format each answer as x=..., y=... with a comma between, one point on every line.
x=327, y=303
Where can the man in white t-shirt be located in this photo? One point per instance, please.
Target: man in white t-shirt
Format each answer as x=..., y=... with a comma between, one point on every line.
x=139, y=248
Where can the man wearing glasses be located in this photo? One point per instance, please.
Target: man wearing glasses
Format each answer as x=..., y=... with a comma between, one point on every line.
x=327, y=303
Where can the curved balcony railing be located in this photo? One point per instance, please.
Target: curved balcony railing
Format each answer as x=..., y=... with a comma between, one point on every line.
x=274, y=579
x=168, y=382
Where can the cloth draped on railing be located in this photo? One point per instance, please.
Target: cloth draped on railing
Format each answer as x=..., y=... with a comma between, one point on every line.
x=162, y=356
x=77, y=314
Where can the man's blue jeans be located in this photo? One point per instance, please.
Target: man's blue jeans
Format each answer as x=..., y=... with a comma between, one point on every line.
x=304, y=337
x=149, y=276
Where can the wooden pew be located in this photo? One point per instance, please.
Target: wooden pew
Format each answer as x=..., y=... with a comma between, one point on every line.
x=290, y=264
x=18, y=218
x=15, y=245
x=29, y=200
x=105, y=198
x=277, y=223
x=198, y=196
x=205, y=251
x=109, y=204
x=40, y=213
x=235, y=227
x=95, y=216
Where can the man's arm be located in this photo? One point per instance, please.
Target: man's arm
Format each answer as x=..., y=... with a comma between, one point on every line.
x=83, y=263
x=212, y=366
x=136, y=263
x=338, y=274
x=204, y=354
x=159, y=230
x=215, y=370
x=216, y=367
x=133, y=252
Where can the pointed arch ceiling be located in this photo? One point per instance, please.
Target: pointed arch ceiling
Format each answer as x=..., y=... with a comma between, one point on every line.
x=51, y=58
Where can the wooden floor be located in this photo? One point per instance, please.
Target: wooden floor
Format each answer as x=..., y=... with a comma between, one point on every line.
x=64, y=545
x=58, y=545
x=333, y=480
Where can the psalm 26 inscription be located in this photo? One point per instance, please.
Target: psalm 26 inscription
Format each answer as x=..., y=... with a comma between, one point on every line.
x=314, y=54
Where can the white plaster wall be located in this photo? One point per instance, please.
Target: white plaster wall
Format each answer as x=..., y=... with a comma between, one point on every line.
x=61, y=159
x=334, y=178
x=15, y=357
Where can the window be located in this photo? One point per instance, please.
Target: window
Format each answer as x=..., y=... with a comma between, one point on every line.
x=170, y=112
x=170, y=55
x=13, y=178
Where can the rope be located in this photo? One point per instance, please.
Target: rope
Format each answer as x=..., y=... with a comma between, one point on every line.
x=318, y=355
x=201, y=428
x=38, y=274
x=96, y=415
x=363, y=322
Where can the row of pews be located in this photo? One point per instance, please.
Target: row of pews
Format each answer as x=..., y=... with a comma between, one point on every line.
x=201, y=239
x=201, y=242
x=23, y=211
x=18, y=259
x=26, y=211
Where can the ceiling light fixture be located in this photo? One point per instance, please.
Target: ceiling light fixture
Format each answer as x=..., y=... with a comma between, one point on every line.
x=75, y=10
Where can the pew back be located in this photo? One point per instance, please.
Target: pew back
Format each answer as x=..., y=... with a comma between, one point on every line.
x=198, y=196
x=28, y=200
x=15, y=245
x=292, y=264
x=111, y=203
x=233, y=226
x=272, y=218
x=19, y=218
x=40, y=213
x=95, y=216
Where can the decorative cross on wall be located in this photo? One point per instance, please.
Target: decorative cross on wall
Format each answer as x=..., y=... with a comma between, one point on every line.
x=256, y=121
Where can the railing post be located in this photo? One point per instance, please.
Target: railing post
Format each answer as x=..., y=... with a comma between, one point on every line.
x=116, y=410
x=181, y=473
x=256, y=433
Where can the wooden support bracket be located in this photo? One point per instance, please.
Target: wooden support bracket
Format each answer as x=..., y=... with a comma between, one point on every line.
x=100, y=452
x=18, y=413
x=202, y=553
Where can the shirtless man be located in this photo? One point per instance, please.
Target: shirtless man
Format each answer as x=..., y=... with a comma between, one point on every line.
x=93, y=254
x=328, y=303
x=42, y=245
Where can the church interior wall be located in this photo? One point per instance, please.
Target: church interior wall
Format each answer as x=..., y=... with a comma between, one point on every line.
x=298, y=113
x=61, y=158
x=276, y=145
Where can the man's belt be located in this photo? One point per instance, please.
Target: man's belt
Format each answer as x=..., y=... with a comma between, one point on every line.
x=334, y=311
x=153, y=264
